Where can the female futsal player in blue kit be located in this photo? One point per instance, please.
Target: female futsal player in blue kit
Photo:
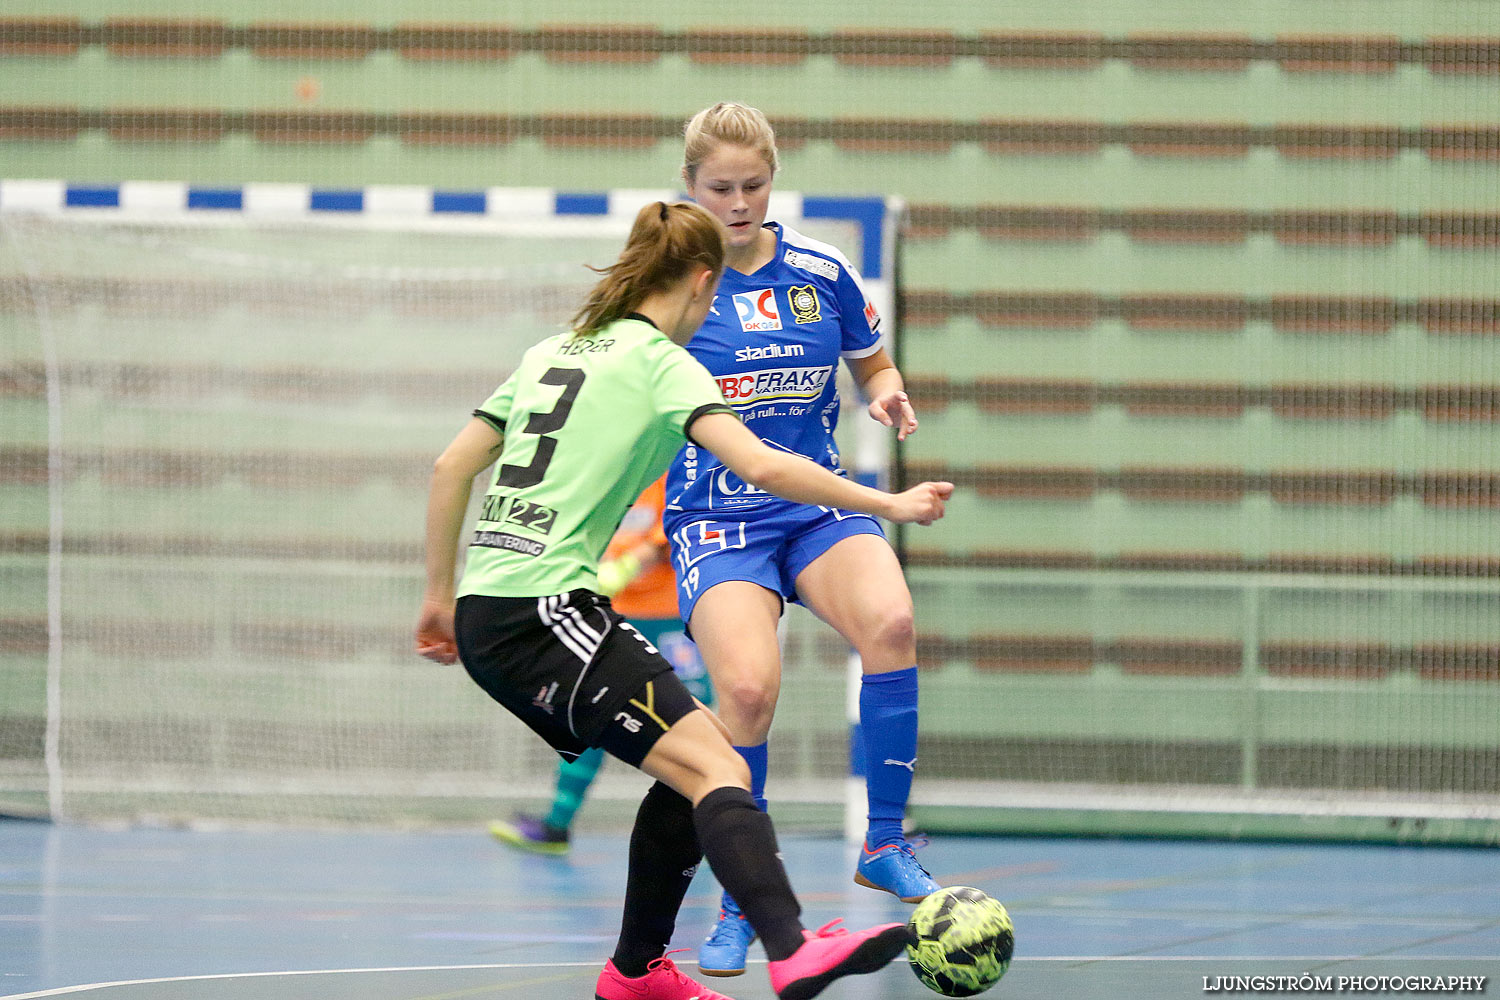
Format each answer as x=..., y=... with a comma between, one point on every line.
x=788, y=309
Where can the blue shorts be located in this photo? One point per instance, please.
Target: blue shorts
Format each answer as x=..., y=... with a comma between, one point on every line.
x=770, y=547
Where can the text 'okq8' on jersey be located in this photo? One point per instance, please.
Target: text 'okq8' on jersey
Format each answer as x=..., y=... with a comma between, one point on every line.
x=773, y=341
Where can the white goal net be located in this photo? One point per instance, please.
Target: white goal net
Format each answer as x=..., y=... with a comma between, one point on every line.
x=219, y=428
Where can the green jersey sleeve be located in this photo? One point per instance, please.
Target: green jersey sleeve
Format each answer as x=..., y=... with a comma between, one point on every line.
x=496, y=410
x=684, y=390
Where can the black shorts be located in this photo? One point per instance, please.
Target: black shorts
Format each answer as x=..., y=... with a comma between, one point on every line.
x=574, y=670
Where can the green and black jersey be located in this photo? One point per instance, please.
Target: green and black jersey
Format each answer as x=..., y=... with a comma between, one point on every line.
x=589, y=422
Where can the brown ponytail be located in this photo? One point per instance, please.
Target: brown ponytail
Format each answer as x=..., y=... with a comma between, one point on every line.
x=665, y=244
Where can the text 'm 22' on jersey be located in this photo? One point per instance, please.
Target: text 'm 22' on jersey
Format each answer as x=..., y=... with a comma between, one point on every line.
x=773, y=341
x=588, y=423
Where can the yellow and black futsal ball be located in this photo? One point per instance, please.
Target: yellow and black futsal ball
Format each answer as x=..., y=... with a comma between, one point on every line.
x=963, y=940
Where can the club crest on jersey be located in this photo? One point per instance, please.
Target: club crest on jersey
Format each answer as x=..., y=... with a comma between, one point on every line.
x=757, y=310
x=805, y=305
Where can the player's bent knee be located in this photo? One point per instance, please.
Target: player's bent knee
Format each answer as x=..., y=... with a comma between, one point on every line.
x=706, y=752
x=899, y=629
x=894, y=633
x=750, y=698
x=694, y=758
x=728, y=769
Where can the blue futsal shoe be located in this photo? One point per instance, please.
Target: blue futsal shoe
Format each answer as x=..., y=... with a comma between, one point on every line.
x=895, y=869
x=723, y=954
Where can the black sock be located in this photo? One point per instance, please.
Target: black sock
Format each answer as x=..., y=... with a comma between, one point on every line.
x=741, y=847
x=664, y=854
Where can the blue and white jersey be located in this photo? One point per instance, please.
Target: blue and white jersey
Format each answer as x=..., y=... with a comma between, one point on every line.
x=773, y=341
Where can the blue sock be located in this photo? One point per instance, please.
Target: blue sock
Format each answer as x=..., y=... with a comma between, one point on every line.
x=888, y=722
x=758, y=757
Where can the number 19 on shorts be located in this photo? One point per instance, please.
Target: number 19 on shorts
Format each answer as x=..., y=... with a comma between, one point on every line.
x=698, y=541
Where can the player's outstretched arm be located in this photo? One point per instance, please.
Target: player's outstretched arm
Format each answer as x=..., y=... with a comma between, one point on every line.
x=795, y=478
x=469, y=454
x=882, y=384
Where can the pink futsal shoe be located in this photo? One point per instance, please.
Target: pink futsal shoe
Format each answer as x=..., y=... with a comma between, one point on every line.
x=833, y=952
x=662, y=981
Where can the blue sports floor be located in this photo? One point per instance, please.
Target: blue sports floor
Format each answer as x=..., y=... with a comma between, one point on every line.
x=139, y=913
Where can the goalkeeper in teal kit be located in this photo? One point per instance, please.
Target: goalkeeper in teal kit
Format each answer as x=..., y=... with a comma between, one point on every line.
x=585, y=422
x=789, y=310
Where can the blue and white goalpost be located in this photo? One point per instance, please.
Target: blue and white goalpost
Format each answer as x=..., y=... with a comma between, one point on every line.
x=229, y=396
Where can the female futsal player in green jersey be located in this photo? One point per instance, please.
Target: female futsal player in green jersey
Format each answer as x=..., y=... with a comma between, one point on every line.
x=585, y=422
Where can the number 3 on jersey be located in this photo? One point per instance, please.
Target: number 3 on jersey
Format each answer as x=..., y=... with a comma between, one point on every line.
x=542, y=424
